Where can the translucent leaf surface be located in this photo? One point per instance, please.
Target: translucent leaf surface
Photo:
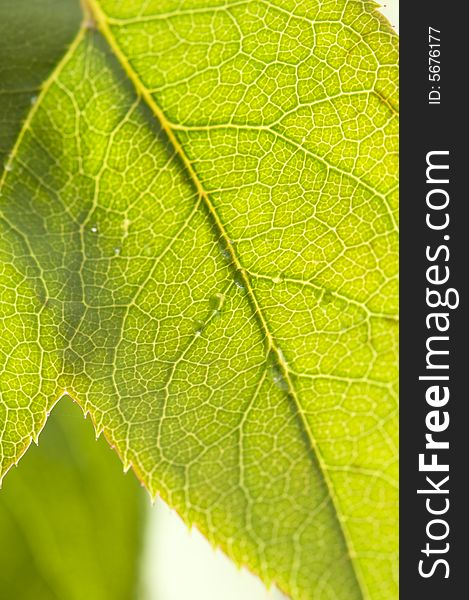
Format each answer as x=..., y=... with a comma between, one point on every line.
x=199, y=245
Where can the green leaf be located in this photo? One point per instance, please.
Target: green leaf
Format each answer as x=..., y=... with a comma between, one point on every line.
x=33, y=37
x=199, y=245
x=70, y=523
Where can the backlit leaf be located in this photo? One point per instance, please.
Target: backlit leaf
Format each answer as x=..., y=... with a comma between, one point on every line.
x=199, y=245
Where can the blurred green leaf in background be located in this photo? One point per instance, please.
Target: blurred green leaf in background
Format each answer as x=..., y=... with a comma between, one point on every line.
x=71, y=523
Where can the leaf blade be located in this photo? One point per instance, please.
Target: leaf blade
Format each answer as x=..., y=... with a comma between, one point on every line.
x=350, y=355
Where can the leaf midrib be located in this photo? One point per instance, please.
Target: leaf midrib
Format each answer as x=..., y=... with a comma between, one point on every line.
x=100, y=18
x=95, y=17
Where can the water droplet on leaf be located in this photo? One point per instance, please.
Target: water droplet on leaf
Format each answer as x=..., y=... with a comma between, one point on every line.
x=279, y=379
x=281, y=356
x=217, y=301
x=276, y=370
x=125, y=226
x=239, y=281
x=224, y=252
x=199, y=326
